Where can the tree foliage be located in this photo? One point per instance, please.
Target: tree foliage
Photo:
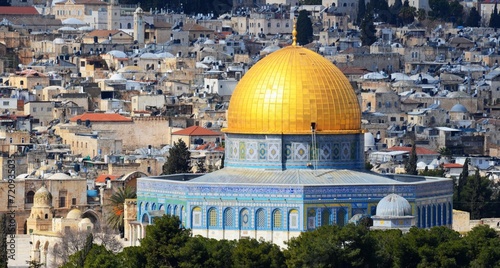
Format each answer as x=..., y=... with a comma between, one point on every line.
x=473, y=19
x=304, y=28
x=495, y=17
x=117, y=200
x=411, y=163
x=451, y=11
x=368, y=28
x=178, y=159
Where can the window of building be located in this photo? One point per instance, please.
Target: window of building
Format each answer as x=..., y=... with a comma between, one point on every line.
x=6, y=103
x=212, y=217
x=10, y=140
x=269, y=25
x=260, y=220
x=73, y=201
x=229, y=217
x=49, y=109
x=294, y=219
x=277, y=219
x=29, y=197
x=62, y=199
x=82, y=63
x=325, y=217
x=196, y=216
x=393, y=119
x=245, y=218
x=311, y=219
x=34, y=109
x=21, y=82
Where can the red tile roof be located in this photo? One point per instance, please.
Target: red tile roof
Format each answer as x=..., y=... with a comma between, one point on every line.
x=452, y=165
x=102, y=178
x=197, y=131
x=420, y=150
x=101, y=117
x=6, y=10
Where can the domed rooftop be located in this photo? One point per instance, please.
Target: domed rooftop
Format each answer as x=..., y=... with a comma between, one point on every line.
x=393, y=205
x=42, y=198
x=458, y=108
x=59, y=176
x=288, y=90
x=74, y=214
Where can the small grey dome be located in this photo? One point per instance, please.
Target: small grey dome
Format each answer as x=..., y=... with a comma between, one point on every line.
x=394, y=205
x=458, y=108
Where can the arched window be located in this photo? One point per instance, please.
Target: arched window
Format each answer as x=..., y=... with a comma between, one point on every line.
x=169, y=208
x=277, y=219
x=245, y=218
x=212, y=217
x=260, y=219
x=341, y=213
x=325, y=217
x=229, y=217
x=196, y=217
x=293, y=219
x=174, y=212
x=129, y=26
x=29, y=197
x=311, y=218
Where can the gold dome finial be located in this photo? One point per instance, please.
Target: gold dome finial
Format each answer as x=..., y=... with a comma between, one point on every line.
x=294, y=33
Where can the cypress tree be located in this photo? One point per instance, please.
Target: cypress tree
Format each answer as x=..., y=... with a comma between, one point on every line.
x=368, y=29
x=178, y=159
x=411, y=165
x=494, y=17
x=304, y=28
x=361, y=11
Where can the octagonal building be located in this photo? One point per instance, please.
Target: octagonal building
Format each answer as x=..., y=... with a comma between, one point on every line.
x=294, y=161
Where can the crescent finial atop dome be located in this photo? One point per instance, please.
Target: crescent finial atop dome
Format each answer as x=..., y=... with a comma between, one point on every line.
x=294, y=33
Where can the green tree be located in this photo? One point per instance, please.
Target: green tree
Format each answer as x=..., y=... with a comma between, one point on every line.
x=459, y=186
x=482, y=243
x=332, y=246
x=250, y=253
x=473, y=19
x=411, y=163
x=421, y=14
x=163, y=241
x=205, y=252
x=178, y=159
x=116, y=205
x=368, y=29
x=389, y=249
x=304, y=28
x=438, y=172
x=456, y=12
x=99, y=256
x=407, y=13
x=361, y=11
x=132, y=257
x=3, y=241
x=494, y=19
x=476, y=195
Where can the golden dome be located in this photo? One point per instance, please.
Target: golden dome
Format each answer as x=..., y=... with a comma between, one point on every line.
x=288, y=90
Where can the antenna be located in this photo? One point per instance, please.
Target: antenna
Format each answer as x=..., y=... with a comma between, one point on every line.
x=314, y=144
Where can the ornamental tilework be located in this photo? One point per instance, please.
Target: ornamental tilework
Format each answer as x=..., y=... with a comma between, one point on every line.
x=325, y=152
x=251, y=151
x=336, y=151
x=345, y=151
x=262, y=151
x=242, y=150
x=274, y=152
x=353, y=150
x=300, y=151
x=288, y=151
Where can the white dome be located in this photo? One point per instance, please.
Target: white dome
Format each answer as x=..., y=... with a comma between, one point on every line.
x=117, y=54
x=74, y=214
x=117, y=76
x=163, y=55
x=58, y=41
x=59, y=176
x=421, y=165
x=72, y=21
x=148, y=56
x=42, y=198
x=66, y=29
x=393, y=205
x=209, y=42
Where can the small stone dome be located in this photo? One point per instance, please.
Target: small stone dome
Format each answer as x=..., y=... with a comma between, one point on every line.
x=394, y=205
x=59, y=176
x=85, y=221
x=458, y=108
x=42, y=198
x=74, y=214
